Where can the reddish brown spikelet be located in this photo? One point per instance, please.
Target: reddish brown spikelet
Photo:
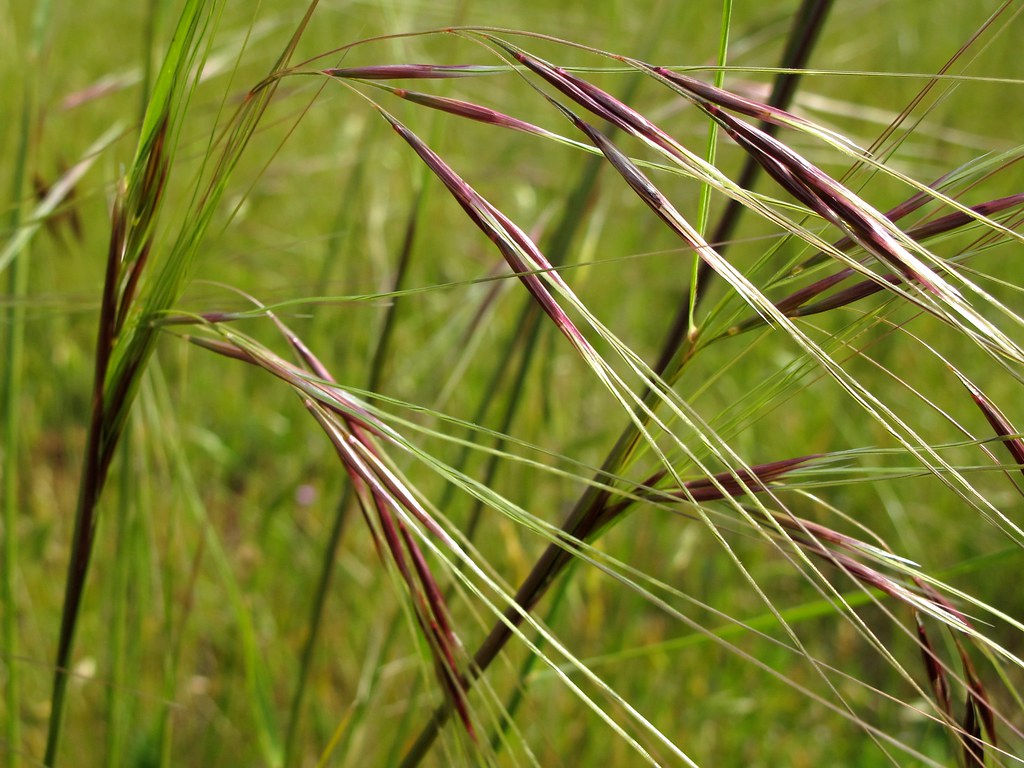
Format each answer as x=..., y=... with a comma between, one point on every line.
x=941, y=601
x=793, y=305
x=705, y=95
x=931, y=228
x=974, y=747
x=777, y=161
x=808, y=292
x=863, y=573
x=807, y=183
x=866, y=574
x=594, y=99
x=657, y=202
x=388, y=492
x=401, y=549
x=626, y=168
x=403, y=72
x=817, y=531
x=979, y=711
x=699, y=91
x=740, y=483
x=734, y=485
x=510, y=240
x=225, y=348
x=1002, y=426
x=936, y=671
x=960, y=218
x=559, y=78
x=383, y=497
x=636, y=179
x=470, y=111
x=805, y=294
x=846, y=296
x=818, y=191
x=443, y=636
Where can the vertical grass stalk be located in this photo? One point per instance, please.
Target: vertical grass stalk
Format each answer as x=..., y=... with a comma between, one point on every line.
x=131, y=240
x=128, y=329
x=704, y=205
x=808, y=22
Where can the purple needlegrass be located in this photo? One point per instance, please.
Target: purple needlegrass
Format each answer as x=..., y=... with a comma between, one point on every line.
x=808, y=22
x=1008, y=434
x=808, y=184
x=342, y=511
x=684, y=454
x=519, y=252
x=384, y=498
x=799, y=303
x=404, y=72
x=503, y=233
x=123, y=348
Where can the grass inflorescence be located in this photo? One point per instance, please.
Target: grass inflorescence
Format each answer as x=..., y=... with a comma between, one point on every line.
x=682, y=424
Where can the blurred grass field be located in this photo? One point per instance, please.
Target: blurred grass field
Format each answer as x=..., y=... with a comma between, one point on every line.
x=214, y=521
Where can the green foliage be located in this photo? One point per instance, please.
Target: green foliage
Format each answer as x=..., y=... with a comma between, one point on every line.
x=641, y=389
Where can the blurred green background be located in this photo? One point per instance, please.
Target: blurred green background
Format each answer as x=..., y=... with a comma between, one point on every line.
x=216, y=516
